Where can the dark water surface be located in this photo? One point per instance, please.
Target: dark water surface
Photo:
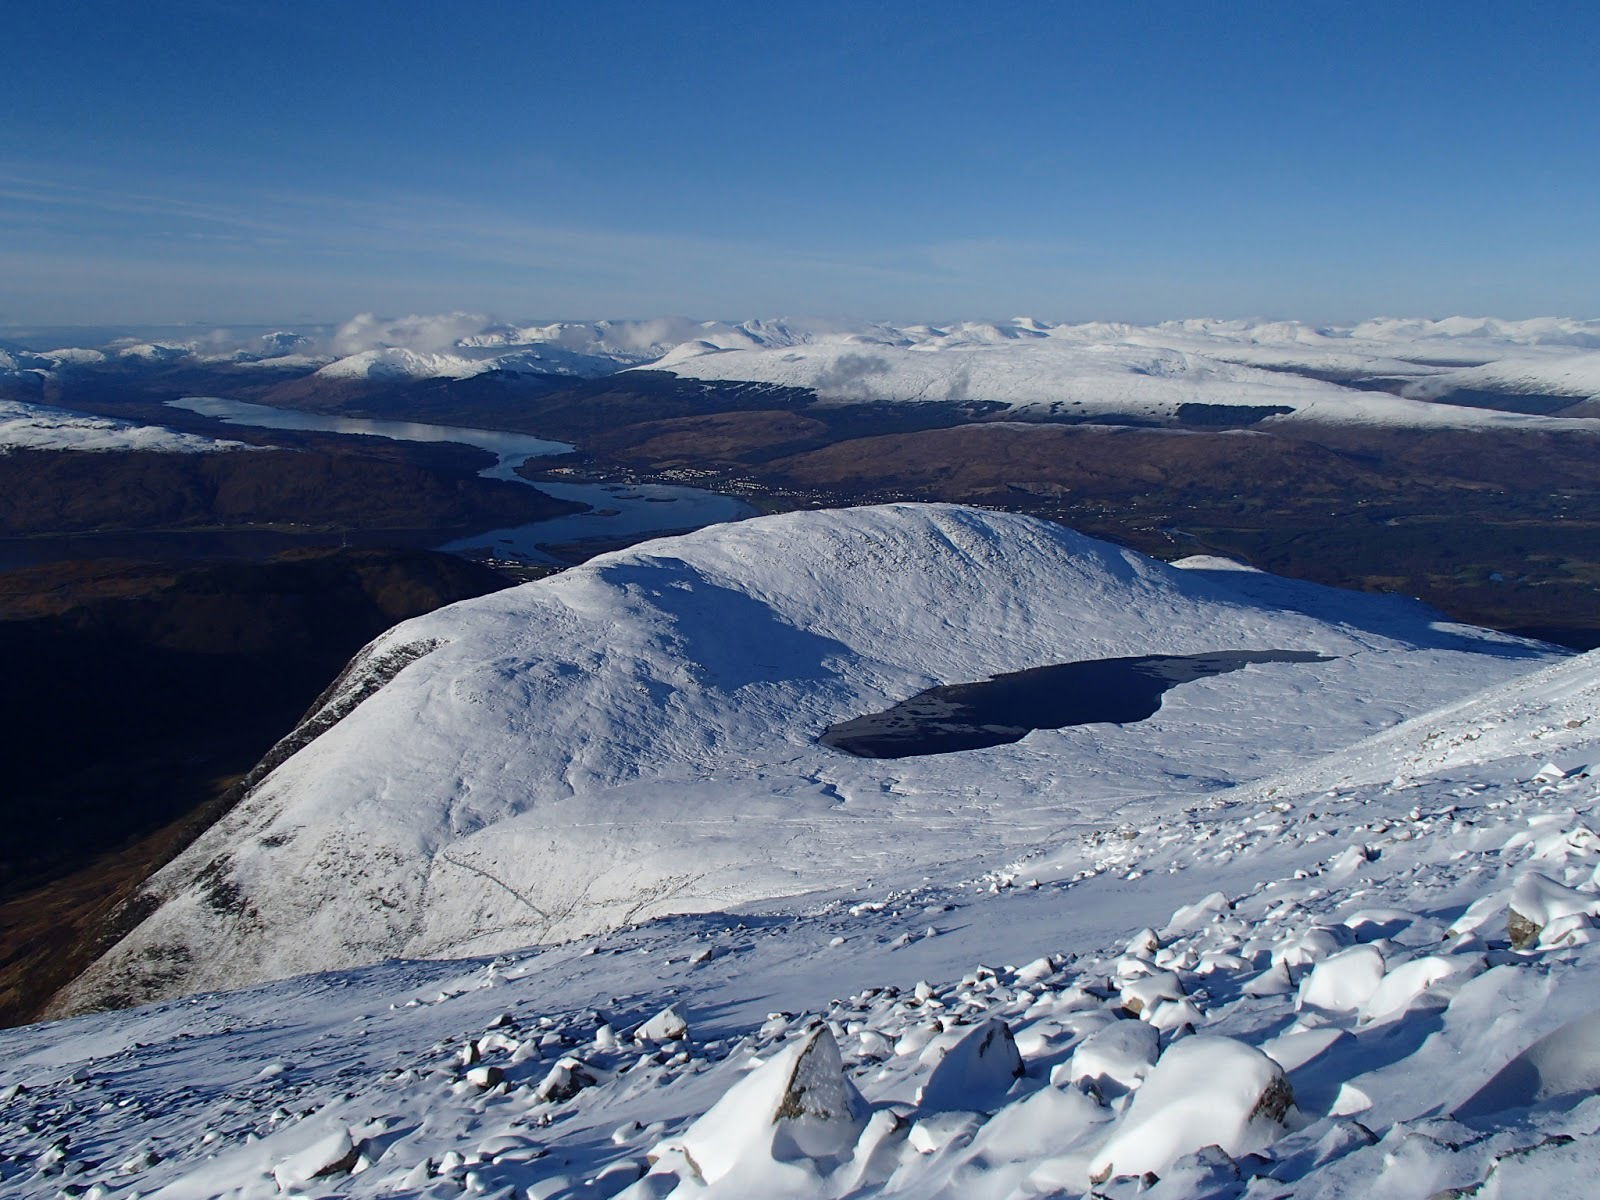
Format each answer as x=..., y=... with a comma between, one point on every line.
x=970, y=716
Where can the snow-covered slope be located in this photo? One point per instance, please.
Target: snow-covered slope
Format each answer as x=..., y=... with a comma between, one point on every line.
x=1091, y=371
x=398, y=363
x=1378, y=989
x=42, y=427
x=1575, y=375
x=457, y=347
x=638, y=736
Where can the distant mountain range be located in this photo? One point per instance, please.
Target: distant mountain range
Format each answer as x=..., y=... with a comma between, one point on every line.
x=1385, y=371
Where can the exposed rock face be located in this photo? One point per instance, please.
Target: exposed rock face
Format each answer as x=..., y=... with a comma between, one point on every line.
x=1522, y=932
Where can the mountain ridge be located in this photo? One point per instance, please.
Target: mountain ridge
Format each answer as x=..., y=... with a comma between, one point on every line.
x=689, y=679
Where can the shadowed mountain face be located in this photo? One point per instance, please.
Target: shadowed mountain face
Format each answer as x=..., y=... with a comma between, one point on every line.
x=971, y=716
x=137, y=692
x=54, y=493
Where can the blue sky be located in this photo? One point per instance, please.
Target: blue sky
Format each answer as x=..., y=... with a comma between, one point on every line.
x=178, y=160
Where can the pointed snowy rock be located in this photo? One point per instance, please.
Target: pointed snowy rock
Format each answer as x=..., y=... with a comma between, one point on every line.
x=1198, y=914
x=667, y=1025
x=796, y=1108
x=974, y=1074
x=1144, y=943
x=564, y=1081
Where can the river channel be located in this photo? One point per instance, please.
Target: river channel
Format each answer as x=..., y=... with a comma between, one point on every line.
x=617, y=511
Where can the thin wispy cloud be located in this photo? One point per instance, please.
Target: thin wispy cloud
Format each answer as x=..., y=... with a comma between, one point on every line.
x=411, y=242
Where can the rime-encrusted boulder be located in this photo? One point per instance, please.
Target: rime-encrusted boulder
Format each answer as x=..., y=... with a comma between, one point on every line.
x=1536, y=901
x=667, y=1025
x=332, y=1154
x=796, y=1110
x=1205, y=1091
x=975, y=1073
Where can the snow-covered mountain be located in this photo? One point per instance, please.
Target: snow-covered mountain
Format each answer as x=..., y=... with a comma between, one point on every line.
x=1373, y=974
x=1576, y=375
x=399, y=363
x=1151, y=372
x=1275, y=371
x=44, y=427
x=584, y=350
x=1030, y=366
x=639, y=736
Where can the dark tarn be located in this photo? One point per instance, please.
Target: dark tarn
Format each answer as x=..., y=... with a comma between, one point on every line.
x=971, y=716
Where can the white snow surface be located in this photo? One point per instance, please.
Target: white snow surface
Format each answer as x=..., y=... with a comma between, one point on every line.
x=44, y=427
x=398, y=363
x=1575, y=375
x=1094, y=369
x=1148, y=372
x=521, y=1075
x=637, y=737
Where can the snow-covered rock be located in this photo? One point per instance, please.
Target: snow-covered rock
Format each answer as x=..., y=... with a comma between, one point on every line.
x=1537, y=901
x=975, y=1073
x=1343, y=982
x=1205, y=1091
x=1117, y=1058
x=667, y=1025
x=797, y=1113
x=331, y=1154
